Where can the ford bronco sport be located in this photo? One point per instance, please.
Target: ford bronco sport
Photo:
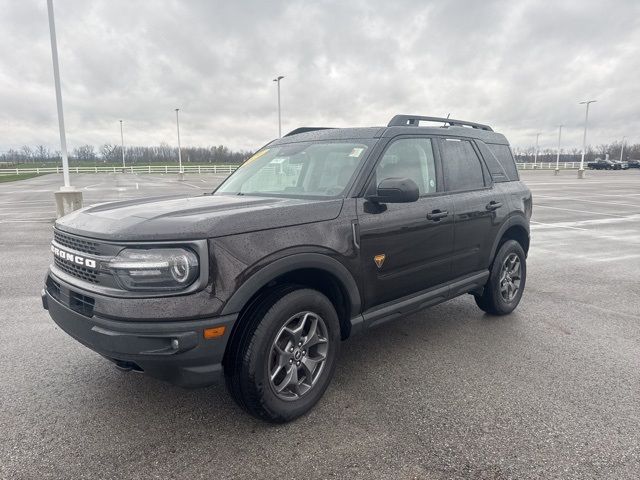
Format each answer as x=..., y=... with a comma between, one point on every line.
x=321, y=235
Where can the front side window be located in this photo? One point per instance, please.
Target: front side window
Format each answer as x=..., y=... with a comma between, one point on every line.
x=409, y=158
x=461, y=166
x=306, y=169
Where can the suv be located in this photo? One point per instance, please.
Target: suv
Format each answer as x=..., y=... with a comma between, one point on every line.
x=319, y=236
x=603, y=164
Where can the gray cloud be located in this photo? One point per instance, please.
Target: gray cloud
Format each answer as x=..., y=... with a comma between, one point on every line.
x=520, y=66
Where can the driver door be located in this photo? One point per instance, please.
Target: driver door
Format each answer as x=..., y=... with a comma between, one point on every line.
x=406, y=247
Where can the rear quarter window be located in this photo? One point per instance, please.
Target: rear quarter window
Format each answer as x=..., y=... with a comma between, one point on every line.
x=500, y=161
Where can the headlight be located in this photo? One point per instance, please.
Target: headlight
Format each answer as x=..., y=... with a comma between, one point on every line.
x=155, y=268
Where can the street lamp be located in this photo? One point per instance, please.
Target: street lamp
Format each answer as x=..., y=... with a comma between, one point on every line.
x=68, y=198
x=535, y=155
x=122, y=146
x=277, y=80
x=180, y=172
x=584, y=138
x=558, y=154
x=622, y=147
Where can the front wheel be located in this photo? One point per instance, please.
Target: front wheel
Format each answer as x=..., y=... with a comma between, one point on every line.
x=284, y=360
x=503, y=290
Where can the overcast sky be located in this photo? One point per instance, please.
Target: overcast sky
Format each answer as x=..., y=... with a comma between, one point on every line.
x=520, y=66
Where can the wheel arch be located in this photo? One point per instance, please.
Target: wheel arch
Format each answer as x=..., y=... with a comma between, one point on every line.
x=515, y=228
x=311, y=270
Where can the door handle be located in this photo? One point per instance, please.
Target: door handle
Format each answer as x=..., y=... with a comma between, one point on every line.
x=436, y=215
x=493, y=205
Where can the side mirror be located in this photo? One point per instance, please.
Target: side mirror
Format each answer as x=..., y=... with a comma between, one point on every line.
x=396, y=190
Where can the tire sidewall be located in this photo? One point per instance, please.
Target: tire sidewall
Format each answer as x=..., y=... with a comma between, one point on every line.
x=510, y=246
x=257, y=359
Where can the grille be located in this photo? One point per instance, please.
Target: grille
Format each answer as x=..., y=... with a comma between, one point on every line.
x=53, y=288
x=75, y=243
x=81, y=304
x=77, y=302
x=76, y=270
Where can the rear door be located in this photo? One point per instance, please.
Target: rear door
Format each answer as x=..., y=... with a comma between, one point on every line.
x=406, y=247
x=479, y=207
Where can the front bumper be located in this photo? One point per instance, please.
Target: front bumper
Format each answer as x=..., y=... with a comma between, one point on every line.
x=174, y=351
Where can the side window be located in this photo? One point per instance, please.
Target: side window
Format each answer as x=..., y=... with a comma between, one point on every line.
x=461, y=166
x=503, y=155
x=409, y=158
x=498, y=173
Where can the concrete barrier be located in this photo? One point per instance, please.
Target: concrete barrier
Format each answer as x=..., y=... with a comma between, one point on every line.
x=67, y=201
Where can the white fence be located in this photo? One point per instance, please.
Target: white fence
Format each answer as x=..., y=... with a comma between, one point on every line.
x=548, y=165
x=222, y=169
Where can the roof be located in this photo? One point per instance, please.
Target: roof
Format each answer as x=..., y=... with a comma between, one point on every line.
x=399, y=125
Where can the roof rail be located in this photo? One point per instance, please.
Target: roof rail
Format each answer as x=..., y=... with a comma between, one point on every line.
x=305, y=130
x=413, y=120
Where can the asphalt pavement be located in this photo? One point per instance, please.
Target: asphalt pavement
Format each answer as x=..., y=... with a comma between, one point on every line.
x=550, y=391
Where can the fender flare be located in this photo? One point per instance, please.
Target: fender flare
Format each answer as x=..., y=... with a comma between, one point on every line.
x=516, y=220
x=288, y=264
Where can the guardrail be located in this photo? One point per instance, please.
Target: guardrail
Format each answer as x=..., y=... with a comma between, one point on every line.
x=222, y=169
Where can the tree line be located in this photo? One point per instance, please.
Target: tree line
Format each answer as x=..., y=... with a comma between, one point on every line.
x=164, y=153
x=134, y=155
x=574, y=154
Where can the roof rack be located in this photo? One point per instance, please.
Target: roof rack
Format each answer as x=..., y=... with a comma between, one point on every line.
x=413, y=120
x=305, y=130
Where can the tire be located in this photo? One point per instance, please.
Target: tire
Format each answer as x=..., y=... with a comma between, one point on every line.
x=277, y=329
x=502, y=298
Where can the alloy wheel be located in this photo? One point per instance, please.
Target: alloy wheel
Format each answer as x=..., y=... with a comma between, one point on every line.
x=298, y=355
x=510, y=277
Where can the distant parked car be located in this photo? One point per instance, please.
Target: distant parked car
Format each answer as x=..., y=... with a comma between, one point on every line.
x=603, y=164
x=624, y=165
x=634, y=163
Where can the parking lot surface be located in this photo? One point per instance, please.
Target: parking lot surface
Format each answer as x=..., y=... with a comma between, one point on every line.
x=550, y=391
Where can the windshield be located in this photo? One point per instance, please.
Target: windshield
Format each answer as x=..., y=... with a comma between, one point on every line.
x=306, y=169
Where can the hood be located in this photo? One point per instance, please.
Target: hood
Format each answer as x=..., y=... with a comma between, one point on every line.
x=190, y=218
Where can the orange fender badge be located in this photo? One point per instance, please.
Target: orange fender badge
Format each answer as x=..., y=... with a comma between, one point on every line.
x=379, y=259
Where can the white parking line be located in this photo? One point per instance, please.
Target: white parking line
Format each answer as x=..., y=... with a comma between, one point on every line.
x=549, y=197
x=190, y=185
x=31, y=220
x=537, y=205
x=552, y=225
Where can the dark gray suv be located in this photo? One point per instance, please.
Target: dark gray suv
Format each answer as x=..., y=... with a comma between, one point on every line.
x=320, y=235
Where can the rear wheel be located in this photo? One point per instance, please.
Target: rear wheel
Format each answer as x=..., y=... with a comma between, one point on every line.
x=503, y=290
x=283, y=361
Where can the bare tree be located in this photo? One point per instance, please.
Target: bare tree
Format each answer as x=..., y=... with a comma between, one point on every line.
x=42, y=153
x=85, y=153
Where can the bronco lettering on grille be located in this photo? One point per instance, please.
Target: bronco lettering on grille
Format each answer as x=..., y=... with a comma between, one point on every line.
x=70, y=257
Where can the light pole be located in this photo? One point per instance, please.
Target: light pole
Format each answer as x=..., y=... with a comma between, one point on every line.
x=180, y=172
x=277, y=80
x=584, y=138
x=622, y=148
x=535, y=155
x=68, y=198
x=122, y=146
x=558, y=154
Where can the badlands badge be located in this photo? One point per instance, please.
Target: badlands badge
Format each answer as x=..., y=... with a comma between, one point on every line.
x=379, y=259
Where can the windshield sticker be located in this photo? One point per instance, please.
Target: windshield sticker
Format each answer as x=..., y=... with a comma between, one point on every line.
x=356, y=152
x=256, y=156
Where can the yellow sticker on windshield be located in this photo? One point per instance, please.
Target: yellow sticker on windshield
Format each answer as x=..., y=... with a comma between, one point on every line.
x=356, y=152
x=256, y=156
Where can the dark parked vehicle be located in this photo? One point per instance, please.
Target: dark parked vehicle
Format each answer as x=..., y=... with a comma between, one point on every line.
x=319, y=236
x=603, y=164
x=634, y=163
